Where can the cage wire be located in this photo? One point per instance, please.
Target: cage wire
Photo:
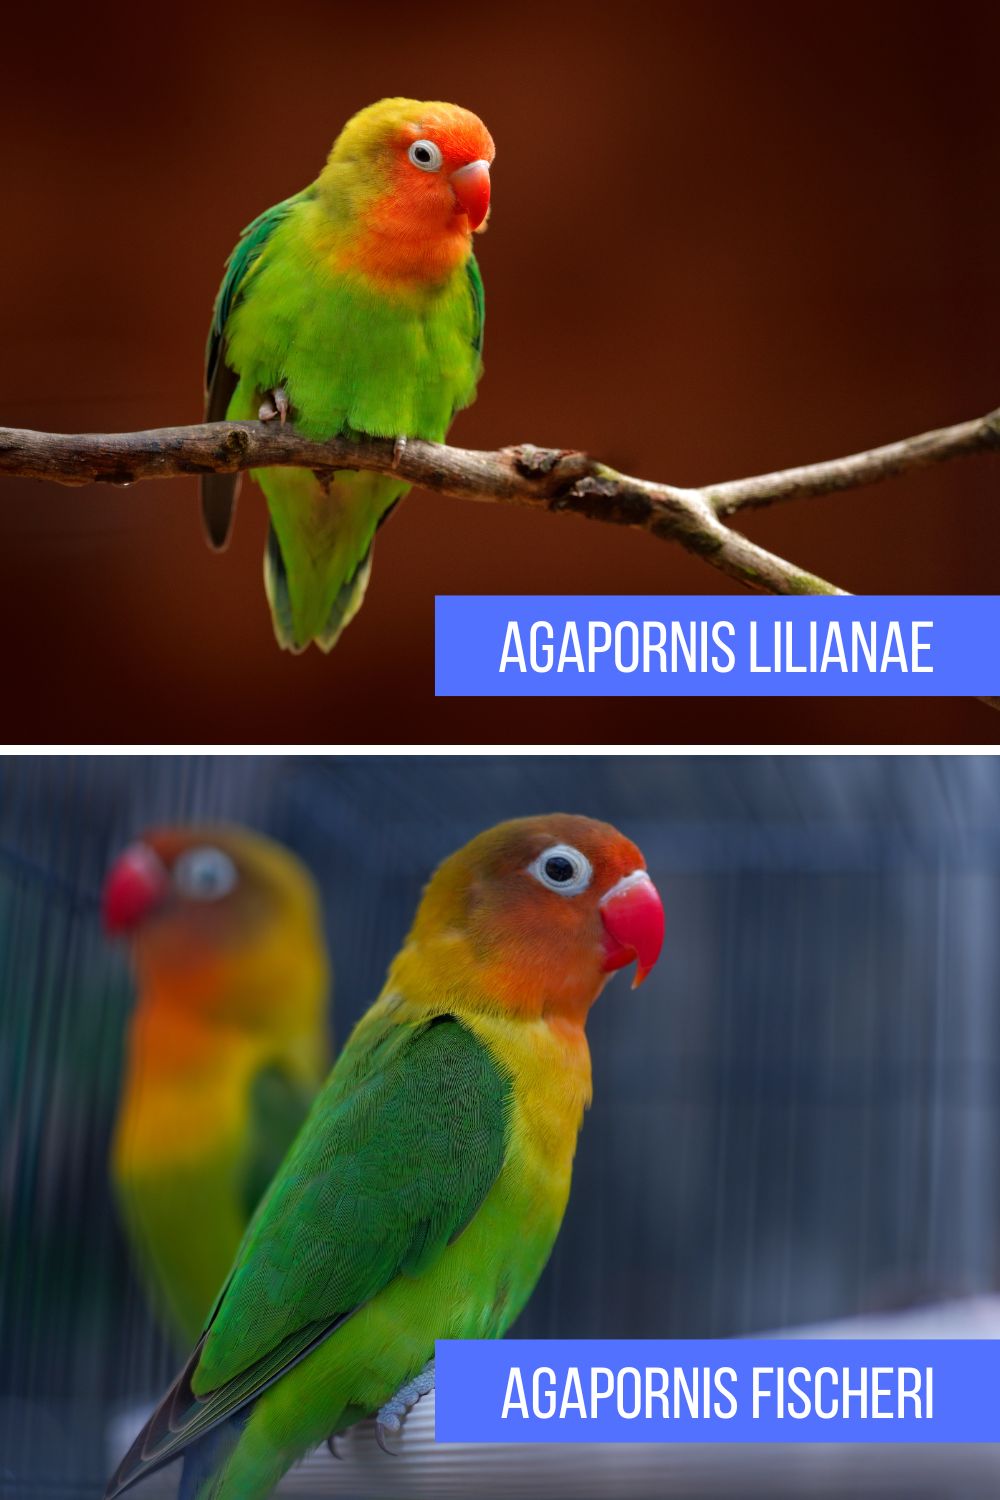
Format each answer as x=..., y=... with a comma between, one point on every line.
x=795, y=1120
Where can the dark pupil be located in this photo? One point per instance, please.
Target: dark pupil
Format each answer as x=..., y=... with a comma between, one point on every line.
x=422, y=153
x=559, y=868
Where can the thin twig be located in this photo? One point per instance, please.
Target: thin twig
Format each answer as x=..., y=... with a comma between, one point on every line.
x=857, y=469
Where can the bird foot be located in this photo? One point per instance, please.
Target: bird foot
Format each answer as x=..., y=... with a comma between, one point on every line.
x=275, y=404
x=398, y=449
x=394, y=1413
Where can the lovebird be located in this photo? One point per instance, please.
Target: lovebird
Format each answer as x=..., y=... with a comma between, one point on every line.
x=425, y=1191
x=354, y=307
x=227, y=1047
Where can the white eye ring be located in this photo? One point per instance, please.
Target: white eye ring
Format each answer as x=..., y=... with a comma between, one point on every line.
x=426, y=156
x=563, y=869
x=205, y=874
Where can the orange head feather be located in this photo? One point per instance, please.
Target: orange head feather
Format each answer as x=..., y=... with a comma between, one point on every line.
x=412, y=182
x=223, y=923
x=532, y=916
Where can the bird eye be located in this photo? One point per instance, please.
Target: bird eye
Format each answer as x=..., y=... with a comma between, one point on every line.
x=564, y=869
x=205, y=874
x=426, y=156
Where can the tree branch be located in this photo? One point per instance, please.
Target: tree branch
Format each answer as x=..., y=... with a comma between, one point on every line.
x=552, y=479
x=857, y=469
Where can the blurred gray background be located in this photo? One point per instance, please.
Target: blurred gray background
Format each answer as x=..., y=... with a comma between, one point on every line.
x=796, y=1119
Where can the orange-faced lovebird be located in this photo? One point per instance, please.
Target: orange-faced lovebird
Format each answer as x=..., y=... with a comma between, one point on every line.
x=423, y=1196
x=355, y=306
x=227, y=1046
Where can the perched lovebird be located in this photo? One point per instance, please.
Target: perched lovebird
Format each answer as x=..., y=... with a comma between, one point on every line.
x=426, y=1190
x=354, y=307
x=227, y=1047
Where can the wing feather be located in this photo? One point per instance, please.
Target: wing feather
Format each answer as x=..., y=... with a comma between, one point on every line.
x=399, y=1151
x=478, y=303
x=219, y=491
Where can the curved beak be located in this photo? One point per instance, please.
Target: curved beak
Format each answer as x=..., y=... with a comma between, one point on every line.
x=632, y=913
x=136, y=885
x=471, y=186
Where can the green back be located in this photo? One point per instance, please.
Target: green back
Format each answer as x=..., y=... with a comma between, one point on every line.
x=278, y=1105
x=401, y=1148
x=478, y=303
x=219, y=491
x=248, y=250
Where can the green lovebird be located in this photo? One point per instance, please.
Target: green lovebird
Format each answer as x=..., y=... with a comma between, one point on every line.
x=227, y=1047
x=425, y=1191
x=355, y=307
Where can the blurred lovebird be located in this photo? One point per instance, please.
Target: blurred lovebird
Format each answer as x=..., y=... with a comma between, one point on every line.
x=424, y=1194
x=227, y=1047
x=354, y=307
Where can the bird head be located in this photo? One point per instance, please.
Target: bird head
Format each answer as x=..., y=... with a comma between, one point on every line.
x=199, y=902
x=415, y=179
x=545, y=909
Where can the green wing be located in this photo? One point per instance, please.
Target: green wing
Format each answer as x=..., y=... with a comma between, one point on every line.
x=249, y=246
x=219, y=491
x=278, y=1105
x=478, y=303
x=401, y=1148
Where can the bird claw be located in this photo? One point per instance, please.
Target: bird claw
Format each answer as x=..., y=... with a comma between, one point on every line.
x=398, y=449
x=275, y=404
x=331, y=1443
x=394, y=1413
x=382, y=1429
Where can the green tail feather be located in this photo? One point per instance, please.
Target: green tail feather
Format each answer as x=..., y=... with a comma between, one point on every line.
x=324, y=627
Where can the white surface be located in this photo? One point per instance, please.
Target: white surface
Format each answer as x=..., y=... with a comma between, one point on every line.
x=601, y=1471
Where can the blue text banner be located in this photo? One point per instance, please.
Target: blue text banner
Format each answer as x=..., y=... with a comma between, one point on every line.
x=717, y=646
x=718, y=1390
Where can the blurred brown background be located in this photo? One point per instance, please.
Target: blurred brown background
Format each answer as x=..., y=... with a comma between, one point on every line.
x=726, y=238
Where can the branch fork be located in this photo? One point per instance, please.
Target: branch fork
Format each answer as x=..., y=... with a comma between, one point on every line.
x=549, y=479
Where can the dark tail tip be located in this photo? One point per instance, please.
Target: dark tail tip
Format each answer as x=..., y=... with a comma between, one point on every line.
x=218, y=507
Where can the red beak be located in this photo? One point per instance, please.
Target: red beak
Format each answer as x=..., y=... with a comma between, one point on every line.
x=136, y=885
x=632, y=913
x=471, y=186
